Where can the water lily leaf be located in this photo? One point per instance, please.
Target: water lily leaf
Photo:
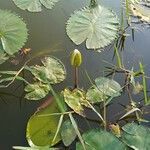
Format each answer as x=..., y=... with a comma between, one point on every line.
x=75, y=100
x=41, y=129
x=97, y=26
x=136, y=136
x=34, y=5
x=36, y=91
x=52, y=71
x=13, y=32
x=100, y=140
x=94, y=95
x=3, y=56
x=104, y=88
x=68, y=133
x=34, y=148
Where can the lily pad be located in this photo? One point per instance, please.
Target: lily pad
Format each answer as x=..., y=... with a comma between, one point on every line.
x=75, y=100
x=103, y=89
x=136, y=136
x=36, y=91
x=98, y=26
x=68, y=133
x=52, y=71
x=100, y=140
x=41, y=129
x=13, y=32
x=34, y=5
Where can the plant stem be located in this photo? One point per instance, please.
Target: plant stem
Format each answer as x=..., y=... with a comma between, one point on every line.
x=104, y=115
x=76, y=77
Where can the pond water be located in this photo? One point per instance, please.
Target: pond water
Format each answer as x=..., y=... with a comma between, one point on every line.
x=47, y=35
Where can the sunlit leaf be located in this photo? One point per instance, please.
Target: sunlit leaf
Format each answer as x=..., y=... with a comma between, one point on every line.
x=136, y=136
x=41, y=129
x=75, y=100
x=100, y=140
x=35, y=5
x=52, y=71
x=13, y=32
x=68, y=133
x=97, y=26
x=36, y=91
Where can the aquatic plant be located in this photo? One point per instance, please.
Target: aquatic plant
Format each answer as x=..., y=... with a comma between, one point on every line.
x=55, y=120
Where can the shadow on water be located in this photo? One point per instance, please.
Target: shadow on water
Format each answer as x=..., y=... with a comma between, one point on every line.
x=47, y=35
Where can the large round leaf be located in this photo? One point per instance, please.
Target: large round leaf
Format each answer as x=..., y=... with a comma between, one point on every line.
x=35, y=5
x=97, y=26
x=13, y=32
x=41, y=130
x=100, y=140
x=52, y=71
x=136, y=136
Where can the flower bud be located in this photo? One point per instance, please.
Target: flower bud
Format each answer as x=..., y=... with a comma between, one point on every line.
x=76, y=58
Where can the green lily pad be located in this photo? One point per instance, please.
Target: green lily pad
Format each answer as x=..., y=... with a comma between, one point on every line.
x=76, y=100
x=41, y=129
x=13, y=32
x=103, y=89
x=34, y=5
x=136, y=136
x=36, y=91
x=98, y=26
x=68, y=133
x=100, y=140
x=52, y=71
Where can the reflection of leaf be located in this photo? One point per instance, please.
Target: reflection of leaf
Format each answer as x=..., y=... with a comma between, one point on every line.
x=136, y=136
x=36, y=91
x=41, y=129
x=35, y=5
x=97, y=26
x=52, y=71
x=68, y=133
x=75, y=100
x=13, y=32
x=100, y=140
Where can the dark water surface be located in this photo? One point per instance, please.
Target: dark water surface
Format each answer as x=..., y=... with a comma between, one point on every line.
x=47, y=35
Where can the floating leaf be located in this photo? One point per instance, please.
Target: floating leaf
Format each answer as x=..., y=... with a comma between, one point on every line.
x=13, y=32
x=100, y=140
x=75, y=100
x=34, y=148
x=36, y=91
x=136, y=136
x=41, y=129
x=68, y=133
x=52, y=71
x=104, y=88
x=3, y=57
x=34, y=5
x=97, y=26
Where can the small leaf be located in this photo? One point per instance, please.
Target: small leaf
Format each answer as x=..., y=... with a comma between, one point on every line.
x=36, y=91
x=97, y=26
x=52, y=71
x=34, y=5
x=13, y=32
x=41, y=130
x=100, y=140
x=136, y=136
x=75, y=100
x=68, y=133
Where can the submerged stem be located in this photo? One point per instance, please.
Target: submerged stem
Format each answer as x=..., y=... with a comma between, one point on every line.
x=76, y=77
